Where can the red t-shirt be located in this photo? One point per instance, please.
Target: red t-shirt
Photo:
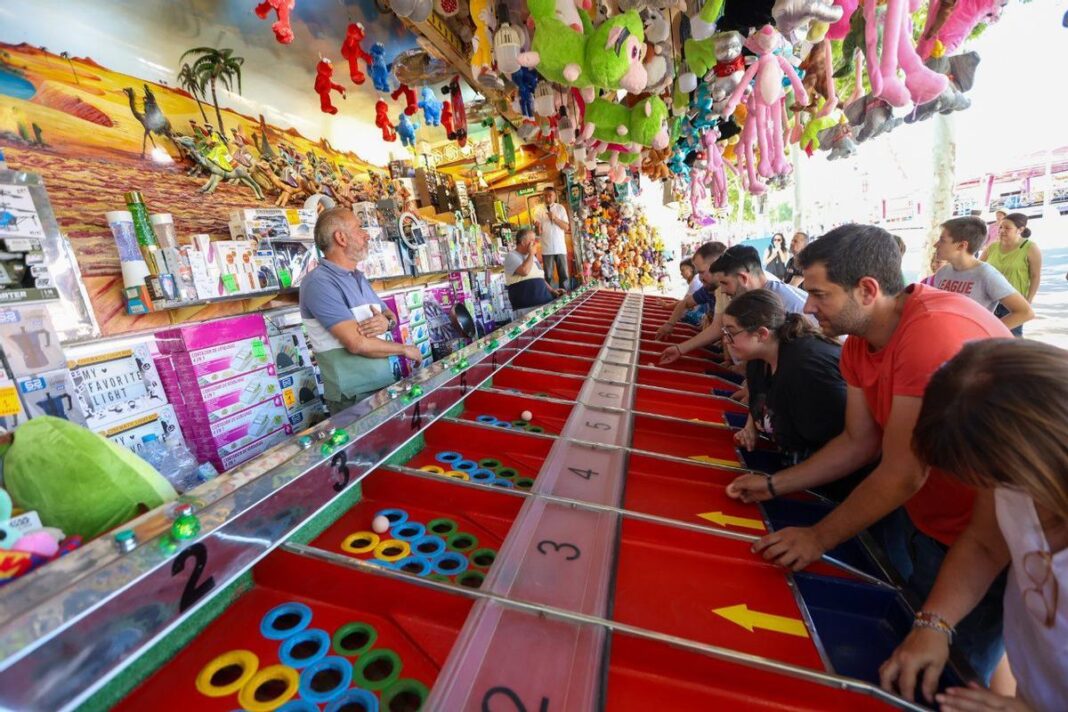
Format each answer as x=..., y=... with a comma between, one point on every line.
x=934, y=326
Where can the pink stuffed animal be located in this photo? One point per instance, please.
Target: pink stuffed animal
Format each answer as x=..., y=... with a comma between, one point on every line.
x=766, y=117
x=921, y=84
x=964, y=15
x=746, y=161
x=698, y=176
x=717, y=176
x=840, y=29
x=283, y=31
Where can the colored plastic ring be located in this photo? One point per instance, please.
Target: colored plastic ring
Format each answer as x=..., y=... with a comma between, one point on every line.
x=448, y=457
x=395, y=516
x=462, y=542
x=354, y=639
x=482, y=475
x=450, y=563
x=248, y=698
x=325, y=680
x=377, y=669
x=285, y=620
x=297, y=657
x=379, y=563
x=409, y=531
x=418, y=565
x=389, y=545
x=298, y=706
x=504, y=484
x=439, y=577
x=465, y=465
x=507, y=473
x=406, y=694
x=442, y=527
x=428, y=545
x=457, y=475
x=486, y=419
x=356, y=698
x=503, y=424
x=432, y=469
x=227, y=673
x=489, y=463
x=535, y=429
x=482, y=558
x=471, y=579
x=520, y=424
x=524, y=483
x=360, y=542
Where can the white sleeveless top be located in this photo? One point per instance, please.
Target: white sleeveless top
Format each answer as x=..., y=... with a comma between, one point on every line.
x=1038, y=655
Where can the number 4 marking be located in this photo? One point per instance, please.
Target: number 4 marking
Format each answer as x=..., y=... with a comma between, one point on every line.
x=584, y=474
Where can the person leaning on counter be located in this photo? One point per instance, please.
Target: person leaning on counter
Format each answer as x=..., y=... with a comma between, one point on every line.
x=344, y=317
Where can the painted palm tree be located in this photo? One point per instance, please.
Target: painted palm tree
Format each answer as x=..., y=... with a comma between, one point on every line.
x=66, y=56
x=187, y=79
x=213, y=66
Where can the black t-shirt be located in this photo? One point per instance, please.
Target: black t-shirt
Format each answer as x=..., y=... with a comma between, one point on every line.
x=801, y=406
x=792, y=270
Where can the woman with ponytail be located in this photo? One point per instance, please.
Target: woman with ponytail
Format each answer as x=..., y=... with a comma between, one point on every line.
x=1017, y=257
x=797, y=395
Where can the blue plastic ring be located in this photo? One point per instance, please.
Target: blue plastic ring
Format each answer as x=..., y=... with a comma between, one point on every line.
x=379, y=562
x=395, y=516
x=465, y=465
x=365, y=698
x=487, y=419
x=418, y=545
x=344, y=669
x=298, y=706
x=482, y=475
x=408, y=531
x=448, y=457
x=267, y=629
x=459, y=559
x=498, y=482
x=425, y=566
x=503, y=424
x=285, y=653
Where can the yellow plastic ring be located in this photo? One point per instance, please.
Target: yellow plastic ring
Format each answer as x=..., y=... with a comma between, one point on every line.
x=457, y=475
x=247, y=697
x=432, y=469
x=405, y=550
x=371, y=538
x=245, y=659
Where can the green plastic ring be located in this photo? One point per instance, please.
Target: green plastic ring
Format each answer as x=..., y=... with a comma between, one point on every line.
x=442, y=527
x=522, y=424
x=354, y=628
x=381, y=681
x=507, y=473
x=490, y=463
x=471, y=578
x=524, y=483
x=462, y=548
x=535, y=429
x=487, y=556
x=408, y=688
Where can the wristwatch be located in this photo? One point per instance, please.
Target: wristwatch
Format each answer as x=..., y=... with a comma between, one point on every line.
x=391, y=321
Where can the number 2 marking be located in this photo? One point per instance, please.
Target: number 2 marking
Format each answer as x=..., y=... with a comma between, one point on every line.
x=194, y=590
x=512, y=697
x=558, y=547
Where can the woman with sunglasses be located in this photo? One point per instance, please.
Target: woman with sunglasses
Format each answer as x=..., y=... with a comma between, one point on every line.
x=796, y=393
x=996, y=416
x=776, y=256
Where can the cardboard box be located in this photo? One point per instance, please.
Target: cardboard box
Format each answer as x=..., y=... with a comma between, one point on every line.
x=28, y=340
x=117, y=385
x=51, y=393
x=299, y=389
x=161, y=422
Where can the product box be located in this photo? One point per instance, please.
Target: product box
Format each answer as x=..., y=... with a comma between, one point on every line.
x=117, y=385
x=265, y=274
x=221, y=363
x=206, y=247
x=302, y=223
x=203, y=285
x=307, y=416
x=290, y=349
x=28, y=339
x=242, y=427
x=246, y=453
x=293, y=260
x=299, y=389
x=223, y=399
x=259, y=224
x=51, y=393
x=161, y=422
x=211, y=333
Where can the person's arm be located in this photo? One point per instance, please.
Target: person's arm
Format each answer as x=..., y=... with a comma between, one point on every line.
x=1020, y=310
x=560, y=222
x=681, y=307
x=348, y=333
x=705, y=337
x=970, y=567
x=1034, y=264
x=379, y=322
x=986, y=252
x=528, y=264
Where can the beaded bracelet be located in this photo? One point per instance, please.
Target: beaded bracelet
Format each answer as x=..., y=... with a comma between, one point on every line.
x=927, y=619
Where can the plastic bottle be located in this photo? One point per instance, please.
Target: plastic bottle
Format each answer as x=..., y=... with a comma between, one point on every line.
x=179, y=469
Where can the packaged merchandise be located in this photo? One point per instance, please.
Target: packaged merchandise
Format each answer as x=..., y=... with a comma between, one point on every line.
x=51, y=393
x=116, y=385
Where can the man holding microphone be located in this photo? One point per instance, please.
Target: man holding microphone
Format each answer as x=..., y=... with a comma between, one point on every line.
x=551, y=220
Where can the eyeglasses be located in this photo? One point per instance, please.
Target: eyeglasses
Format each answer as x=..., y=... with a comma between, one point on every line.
x=729, y=335
x=1042, y=597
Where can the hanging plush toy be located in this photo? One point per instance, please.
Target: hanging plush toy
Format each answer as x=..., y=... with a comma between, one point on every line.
x=819, y=77
x=406, y=130
x=766, y=104
x=793, y=17
x=324, y=83
x=353, y=51
x=626, y=130
x=411, y=106
x=960, y=68
x=379, y=69
x=431, y=107
x=526, y=80
x=729, y=68
x=485, y=21
x=838, y=30
x=382, y=121
x=717, y=176
x=921, y=85
x=446, y=118
x=949, y=22
x=283, y=31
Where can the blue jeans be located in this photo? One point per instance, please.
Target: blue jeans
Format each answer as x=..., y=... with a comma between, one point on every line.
x=917, y=558
x=1000, y=311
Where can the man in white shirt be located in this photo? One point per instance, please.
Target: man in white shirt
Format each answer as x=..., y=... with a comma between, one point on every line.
x=551, y=219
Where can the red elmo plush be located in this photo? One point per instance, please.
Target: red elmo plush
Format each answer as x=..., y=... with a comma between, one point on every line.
x=324, y=73
x=412, y=104
x=283, y=32
x=352, y=51
x=382, y=121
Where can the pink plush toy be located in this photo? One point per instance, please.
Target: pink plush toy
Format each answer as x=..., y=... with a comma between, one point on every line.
x=766, y=104
x=717, y=176
x=840, y=29
x=964, y=15
x=746, y=162
x=698, y=176
x=921, y=84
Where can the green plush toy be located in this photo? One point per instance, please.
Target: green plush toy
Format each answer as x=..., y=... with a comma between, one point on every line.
x=79, y=481
x=644, y=124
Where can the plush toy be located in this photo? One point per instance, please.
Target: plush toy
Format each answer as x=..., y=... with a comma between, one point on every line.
x=793, y=17
x=353, y=51
x=431, y=107
x=406, y=130
x=324, y=83
x=960, y=69
x=654, y=164
x=729, y=69
x=871, y=117
x=809, y=141
x=766, y=104
x=382, y=121
x=446, y=118
x=819, y=77
x=644, y=124
x=838, y=141
x=485, y=21
x=716, y=176
x=283, y=31
x=526, y=80
x=921, y=85
x=838, y=30
x=447, y=8
x=379, y=70
x=411, y=105
x=949, y=22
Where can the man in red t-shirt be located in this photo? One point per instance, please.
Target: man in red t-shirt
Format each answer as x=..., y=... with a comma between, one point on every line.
x=898, y=338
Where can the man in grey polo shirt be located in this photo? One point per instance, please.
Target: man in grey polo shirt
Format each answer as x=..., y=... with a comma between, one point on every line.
x=344, y=318
x=740, y=270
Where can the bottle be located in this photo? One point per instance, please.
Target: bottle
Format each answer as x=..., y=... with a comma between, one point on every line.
x=172, y=460
x=146, y=236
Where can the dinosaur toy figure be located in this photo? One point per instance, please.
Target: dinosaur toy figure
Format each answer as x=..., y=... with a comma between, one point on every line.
x=411, y=105
x=379, y=69
x=382, y=121
x=324, y=83
x=526, y=80
x=406, y=130
x=283, y=31
x=353, y=51
x=921, y=85
x=431, y=107
x=949, y=22
x=218, y=173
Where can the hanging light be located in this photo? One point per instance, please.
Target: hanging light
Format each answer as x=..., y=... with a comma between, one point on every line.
x=565, y=128
x=544, y=99
x=507, y=44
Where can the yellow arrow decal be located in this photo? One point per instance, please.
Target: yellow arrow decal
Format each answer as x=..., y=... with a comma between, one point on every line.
x=725, y=520
x=713, y=461
x=751, y=620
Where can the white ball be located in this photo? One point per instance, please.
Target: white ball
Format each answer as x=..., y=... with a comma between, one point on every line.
x=526, y=415
x=380, y=524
